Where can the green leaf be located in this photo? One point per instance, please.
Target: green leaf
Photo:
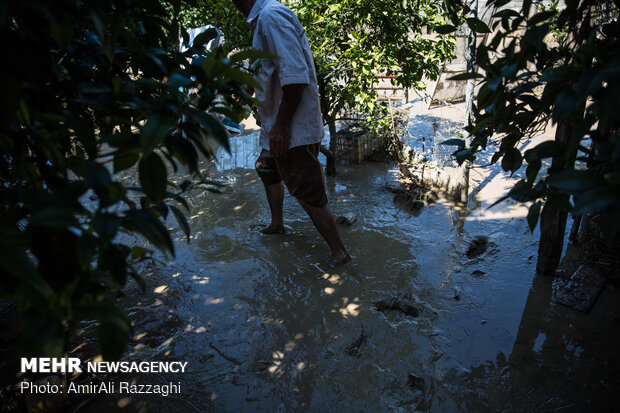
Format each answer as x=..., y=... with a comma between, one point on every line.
x=477, y=25
x=204, y=38
x=481, y=124
x=213, y=127
x=199, y=138
x=533, y=167
x=184, y=151
x=464, y=155
x=52, y=216
x=571, y=181
x=535, y=36
x=122, y=139
x=113, y=259
x=146, y=223
x=546, y=149
x=596, y=200
x=502, y=199
x=111, y=194
x=251, y=54
x=106, y=225
x=240, y=77
x=114, y=327
x=507, y=13
x=509, y=71
x=152, y=134
x=183, y=202
x=566, y=104
x=541, y=17
x=533, y=214
x=522, y=192
x=179, y=80
x=466, y=76
x=512, y=160
x=499, y=3
x=95, y=174
x=17, y=265
x=494, y=83
x=124, y=160
x=558, y=74
x=445, y=29
x=181, y=220
x=153, y=177
x=138, y=252
x=531, y=100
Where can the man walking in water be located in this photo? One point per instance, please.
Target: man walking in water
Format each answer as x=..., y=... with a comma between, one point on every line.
x=290, y=116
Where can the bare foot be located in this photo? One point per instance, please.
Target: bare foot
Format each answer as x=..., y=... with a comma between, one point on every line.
x=273, y=229
x=334, y=262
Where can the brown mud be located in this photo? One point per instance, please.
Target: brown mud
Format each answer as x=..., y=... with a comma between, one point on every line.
x=265, y=325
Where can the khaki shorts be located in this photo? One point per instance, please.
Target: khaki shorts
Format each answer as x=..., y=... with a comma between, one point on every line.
x=299, y=169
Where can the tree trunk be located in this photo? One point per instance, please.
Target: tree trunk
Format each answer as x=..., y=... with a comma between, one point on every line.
x=330, y=165
x=552, y=219
x=470, y=58
x=552, y=227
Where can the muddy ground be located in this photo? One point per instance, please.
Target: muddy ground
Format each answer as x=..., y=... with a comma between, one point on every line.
x=412, y=324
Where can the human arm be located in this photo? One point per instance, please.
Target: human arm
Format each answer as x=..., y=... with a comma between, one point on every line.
x=280, y=133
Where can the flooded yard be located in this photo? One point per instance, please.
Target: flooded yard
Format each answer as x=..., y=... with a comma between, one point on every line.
x=413, y=323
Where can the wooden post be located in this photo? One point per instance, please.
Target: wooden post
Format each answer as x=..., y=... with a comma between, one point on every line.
x=552, y=219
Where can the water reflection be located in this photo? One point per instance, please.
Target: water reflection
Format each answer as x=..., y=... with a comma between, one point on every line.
x=561, y=359
x=265, y=325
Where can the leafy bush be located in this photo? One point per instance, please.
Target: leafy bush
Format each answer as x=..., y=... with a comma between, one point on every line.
x=220, y=13
x=527, y=80
x=90, y=90
x=353, y=41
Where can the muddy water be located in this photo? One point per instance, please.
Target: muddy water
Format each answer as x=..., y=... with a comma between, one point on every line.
x=266, y=326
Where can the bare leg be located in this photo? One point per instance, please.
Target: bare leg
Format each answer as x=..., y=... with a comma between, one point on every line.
x=324, y=221
x=275, y=198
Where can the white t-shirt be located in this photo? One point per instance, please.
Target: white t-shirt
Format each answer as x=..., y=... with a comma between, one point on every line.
x=277, y=30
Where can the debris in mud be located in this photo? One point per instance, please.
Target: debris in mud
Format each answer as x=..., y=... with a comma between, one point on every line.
x=478, y=273
x=478, y=246
x=394, y=186
x=268, y=230
x=415, y=382
x=456, y=292
x=580, y=291
x=346, y=219
x=409, y=202
x=229, y=358
x=396, y=303
x=353, y=349
x=411, y=196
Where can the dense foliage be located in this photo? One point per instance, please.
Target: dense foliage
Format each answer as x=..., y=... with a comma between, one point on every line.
x=528, y=78
x=219, y=13
x=91, y=90
x=354, y=41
